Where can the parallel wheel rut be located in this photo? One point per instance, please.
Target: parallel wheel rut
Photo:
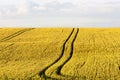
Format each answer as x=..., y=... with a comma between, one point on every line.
x=66, y=55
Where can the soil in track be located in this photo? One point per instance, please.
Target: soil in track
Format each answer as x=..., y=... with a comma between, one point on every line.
x=15, y=34
x=53, y=71
x=6, y=47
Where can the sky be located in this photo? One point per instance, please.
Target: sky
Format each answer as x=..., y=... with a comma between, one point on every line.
x=59, y=13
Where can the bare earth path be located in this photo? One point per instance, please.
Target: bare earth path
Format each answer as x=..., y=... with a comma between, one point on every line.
x=53, y=71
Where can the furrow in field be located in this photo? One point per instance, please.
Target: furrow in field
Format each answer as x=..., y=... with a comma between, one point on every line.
x=42, y=73
x=115, y=58
x=114, y=41
x=7, y=46
x=88, y=49
x=85, y=47
x=109, y=50
x=105, y=44
x=54, y=71
x=15, y=34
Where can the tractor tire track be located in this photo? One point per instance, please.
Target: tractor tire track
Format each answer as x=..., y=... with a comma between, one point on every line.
x=12, y=36
x=15, y=34
x=65, y=51
x=42, y=73
x=70, y=55
x=7, y=47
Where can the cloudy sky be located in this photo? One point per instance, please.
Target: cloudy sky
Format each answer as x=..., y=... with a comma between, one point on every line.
x=55, y=13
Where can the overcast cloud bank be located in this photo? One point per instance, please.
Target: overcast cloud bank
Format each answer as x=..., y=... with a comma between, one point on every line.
x=80, y=13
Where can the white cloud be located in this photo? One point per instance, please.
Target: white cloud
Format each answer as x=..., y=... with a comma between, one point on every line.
x=22, y=7
x=40, y=8
x=83, y=11
x=58, y=7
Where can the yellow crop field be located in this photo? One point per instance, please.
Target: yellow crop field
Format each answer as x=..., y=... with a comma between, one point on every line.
x=59, y=53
